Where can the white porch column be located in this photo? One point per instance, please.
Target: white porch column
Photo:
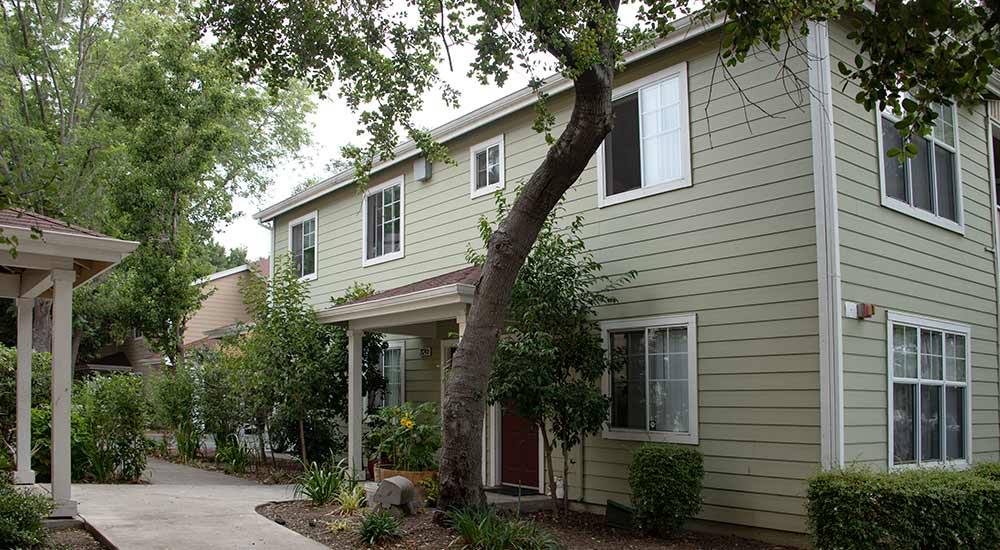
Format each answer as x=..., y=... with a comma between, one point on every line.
x=25, y=313
x=355, y=404
x=62, y=380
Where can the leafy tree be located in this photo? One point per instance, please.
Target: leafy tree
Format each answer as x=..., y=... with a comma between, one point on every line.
x=550, y=357
x=215, y=257
x=384, y=56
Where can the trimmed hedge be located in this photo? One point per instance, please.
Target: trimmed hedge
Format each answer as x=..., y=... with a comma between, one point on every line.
x=916, y=509
x=666, y=486
x=988, y=470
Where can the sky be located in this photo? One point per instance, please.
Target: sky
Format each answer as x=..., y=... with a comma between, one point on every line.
x=334, y=125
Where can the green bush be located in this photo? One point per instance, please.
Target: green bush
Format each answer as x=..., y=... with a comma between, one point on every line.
x=486, y=529
x=41, y=443
x=41, y=372
x=666, y=486
x=378, y=527
x=917, y=509
x=172, y=394
x=114, y=412
x=320, y=483
x=408, y=437
x=21, y=515
x=234, y=455
x=988, y=470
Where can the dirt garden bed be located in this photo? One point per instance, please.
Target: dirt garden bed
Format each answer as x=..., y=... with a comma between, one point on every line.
x=73, y=539
x=280, y=472
x=326, y=525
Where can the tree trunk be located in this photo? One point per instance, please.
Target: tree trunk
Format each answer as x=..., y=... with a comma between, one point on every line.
x=550, y=471
x=302, y=442
x=565, y=497
x=465, y=390
x=41, y=326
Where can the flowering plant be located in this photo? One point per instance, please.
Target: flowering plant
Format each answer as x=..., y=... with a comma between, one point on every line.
x=407, y=437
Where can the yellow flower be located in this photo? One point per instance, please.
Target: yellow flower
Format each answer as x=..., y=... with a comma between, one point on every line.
x=407, y=423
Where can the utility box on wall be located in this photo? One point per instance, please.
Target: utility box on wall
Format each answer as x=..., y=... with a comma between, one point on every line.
x=422, y=169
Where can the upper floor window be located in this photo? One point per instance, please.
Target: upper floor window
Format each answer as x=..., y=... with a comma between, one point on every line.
x=927, y=186
x=649, y=149
x=393, y=371
x=486, y=167
x=654, y=395
x=383, y=222
x=302, y=245
x=929, y=405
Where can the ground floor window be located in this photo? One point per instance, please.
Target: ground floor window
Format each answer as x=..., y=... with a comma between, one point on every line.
x=654, y=392
x=393, y=370
x=929, y=391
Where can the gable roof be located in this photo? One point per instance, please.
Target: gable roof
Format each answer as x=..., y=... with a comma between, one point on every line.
x=466, y=276
x=686, y=28
x=24, y=219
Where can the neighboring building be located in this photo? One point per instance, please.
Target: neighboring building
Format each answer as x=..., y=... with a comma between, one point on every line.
x=220, y=313
x=755, y=238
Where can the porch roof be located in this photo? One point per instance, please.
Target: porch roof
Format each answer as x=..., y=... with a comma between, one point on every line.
x=419, y=300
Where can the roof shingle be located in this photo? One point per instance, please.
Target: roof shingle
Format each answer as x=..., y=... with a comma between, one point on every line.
x=467, y=276
x=17, y=217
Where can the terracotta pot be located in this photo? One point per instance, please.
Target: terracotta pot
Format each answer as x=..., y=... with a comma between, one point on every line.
x=382, y=472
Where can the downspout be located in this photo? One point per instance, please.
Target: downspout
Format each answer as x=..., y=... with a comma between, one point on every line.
x=990, y=115
x=827, y=248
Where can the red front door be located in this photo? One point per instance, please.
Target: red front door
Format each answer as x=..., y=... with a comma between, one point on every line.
x=518, y=450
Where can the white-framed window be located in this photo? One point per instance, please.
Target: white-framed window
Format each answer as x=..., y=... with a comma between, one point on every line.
x=649, y=149
x=302, y=245
x=928, y=186
x=654, y=395
x=929, y=392
x=382, y=218
x=394, y=373
x=486, y=167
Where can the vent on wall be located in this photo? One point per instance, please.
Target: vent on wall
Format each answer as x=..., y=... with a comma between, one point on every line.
x=421, y=169
x=994, y=107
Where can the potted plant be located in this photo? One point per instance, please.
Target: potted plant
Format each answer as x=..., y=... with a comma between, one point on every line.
x=405, y=440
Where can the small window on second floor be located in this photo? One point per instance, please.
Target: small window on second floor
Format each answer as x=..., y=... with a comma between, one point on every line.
x=486, y=167
x=926, y=186
x=383, y=222
x=302, y=245
x=648, y=150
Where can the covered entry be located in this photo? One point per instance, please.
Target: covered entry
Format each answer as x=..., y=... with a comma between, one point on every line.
x=47, y=258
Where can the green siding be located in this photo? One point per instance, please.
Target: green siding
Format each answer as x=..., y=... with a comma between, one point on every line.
x=738, y=248
x=900, y=263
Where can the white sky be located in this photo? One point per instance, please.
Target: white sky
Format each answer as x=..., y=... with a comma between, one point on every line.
x=334, y=125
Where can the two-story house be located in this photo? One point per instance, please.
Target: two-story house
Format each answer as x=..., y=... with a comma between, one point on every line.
x=802, y=301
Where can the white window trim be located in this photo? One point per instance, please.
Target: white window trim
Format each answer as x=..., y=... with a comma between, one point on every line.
x=892, y=318
x=365, y=261
x=690, y=321
x=312, y=215
x=679, y=183
x=489, y=189
x=400, y=345
x=912, y=211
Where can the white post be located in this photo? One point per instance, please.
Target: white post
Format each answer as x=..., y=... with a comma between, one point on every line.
x=62, y=381
x=25, y=312
x=355, y=404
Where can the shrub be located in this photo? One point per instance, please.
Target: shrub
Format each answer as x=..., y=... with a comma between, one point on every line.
x=378, y=527
x=41, y=442
x=925, y=509
x=432, y=490
x=485, y=529
x=21, y=515
x=234, y=455
x=408, y=437
x=988, y=470
x=666, y=486
x=113, y=409
x=172, y=394
x=351, y=499
x=41, y=373
x=320, y=483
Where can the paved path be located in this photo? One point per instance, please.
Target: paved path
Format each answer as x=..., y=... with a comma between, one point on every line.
x=186, y=508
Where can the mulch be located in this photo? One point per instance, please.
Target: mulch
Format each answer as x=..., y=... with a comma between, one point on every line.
x=73, y=539
x=578, y=530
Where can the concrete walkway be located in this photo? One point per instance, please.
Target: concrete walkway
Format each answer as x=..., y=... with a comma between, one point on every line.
x=190, y=509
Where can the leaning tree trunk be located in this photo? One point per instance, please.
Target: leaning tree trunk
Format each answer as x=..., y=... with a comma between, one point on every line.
x=465, y=389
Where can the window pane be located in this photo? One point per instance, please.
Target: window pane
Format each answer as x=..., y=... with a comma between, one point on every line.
x=493, y=157
x=895, y=175
x=955, y=422
x=930, y=422
x=930, y=354
x=391, y=361
x=955, y=357
x=308, y=262
x=668, y=407
x=920, y=176
x=480, y=169
x=297, y=248
x=945, y=181
x=628, y=384
x=374, y=236
x=621, y=148
x=903, y=435
x=944, y=126
x=904, y=355
x=660, y=129
x=668, y=380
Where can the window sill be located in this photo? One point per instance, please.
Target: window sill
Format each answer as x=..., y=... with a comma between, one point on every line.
x=944, y=465
x=653, y=437
x=307, y=278
x=903, y=208
x=634, y=194
x=488, y=190
x=366, y=262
